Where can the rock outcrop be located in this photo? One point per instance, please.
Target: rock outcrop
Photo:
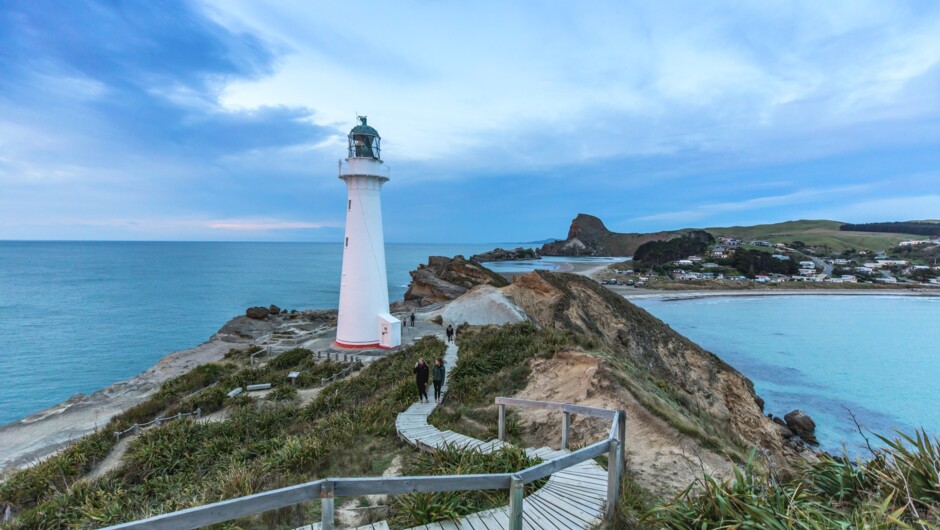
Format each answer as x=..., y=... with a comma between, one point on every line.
x=588, y=236
x=800, y=423
x=498, y=254
x=257, y=313
x=444, y=279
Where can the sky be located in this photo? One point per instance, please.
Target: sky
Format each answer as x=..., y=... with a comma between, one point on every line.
x=500, y=121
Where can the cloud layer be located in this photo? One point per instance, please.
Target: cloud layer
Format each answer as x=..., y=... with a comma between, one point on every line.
x=223, y=120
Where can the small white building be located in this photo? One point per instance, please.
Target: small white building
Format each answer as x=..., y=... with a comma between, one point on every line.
x=848, y=278
x=684, y=262
x=893, y=262
x=808, y=265
x=781, y=257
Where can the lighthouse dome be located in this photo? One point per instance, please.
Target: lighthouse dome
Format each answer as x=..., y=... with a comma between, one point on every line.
x=364, y=141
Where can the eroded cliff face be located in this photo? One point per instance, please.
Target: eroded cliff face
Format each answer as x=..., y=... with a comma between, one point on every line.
x=671, y=376
x=588, y=236
x=444, y=279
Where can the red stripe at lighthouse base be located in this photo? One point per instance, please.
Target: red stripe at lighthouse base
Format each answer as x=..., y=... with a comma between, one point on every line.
x=372, y=346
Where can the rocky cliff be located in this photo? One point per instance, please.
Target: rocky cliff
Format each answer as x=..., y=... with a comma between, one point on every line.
x=674, y=378
x=588, y=236
x=445, y=278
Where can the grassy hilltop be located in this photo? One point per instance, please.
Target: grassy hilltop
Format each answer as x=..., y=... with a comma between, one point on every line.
x=816, y=233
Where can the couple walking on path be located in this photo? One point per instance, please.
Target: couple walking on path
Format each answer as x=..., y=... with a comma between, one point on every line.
x=422, y=372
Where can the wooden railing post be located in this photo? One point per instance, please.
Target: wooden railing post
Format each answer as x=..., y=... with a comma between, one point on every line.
x=615, y=463
x=502, y=423
x=565, y=428
x=516, y=492
x=326, y=501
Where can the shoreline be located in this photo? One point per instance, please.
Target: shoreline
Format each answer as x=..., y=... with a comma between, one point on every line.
x=35, y=437
x=631, y=293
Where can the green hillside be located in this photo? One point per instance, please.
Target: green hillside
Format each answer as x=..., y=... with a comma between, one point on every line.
x=815, y=233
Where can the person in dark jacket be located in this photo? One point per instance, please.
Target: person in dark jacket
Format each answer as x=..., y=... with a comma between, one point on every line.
x=412, y=319
x=421, y=379
x=437, y=377
x=450, y=333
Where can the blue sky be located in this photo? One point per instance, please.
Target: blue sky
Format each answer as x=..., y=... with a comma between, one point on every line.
x=223, y=120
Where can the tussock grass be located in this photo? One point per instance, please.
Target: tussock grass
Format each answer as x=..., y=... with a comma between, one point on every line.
x=423, y=508
x=261, y=445
x=899, y=487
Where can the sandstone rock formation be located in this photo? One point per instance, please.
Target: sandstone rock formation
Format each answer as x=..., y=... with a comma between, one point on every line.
x=804, y=426
x=498, y=254
x=588, y=236
x=480, y=306
x=669, y=374
x=444, y=279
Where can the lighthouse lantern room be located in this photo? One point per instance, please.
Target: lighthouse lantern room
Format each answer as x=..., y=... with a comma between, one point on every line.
x=364, y=319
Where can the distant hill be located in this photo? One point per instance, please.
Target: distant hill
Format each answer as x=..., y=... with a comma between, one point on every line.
x=588, y=236
x=815, y=233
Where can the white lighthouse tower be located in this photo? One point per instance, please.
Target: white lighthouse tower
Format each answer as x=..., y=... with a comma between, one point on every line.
x=364, y=320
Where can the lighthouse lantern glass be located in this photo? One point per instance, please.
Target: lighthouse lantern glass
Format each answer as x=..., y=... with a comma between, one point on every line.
x=364, y=141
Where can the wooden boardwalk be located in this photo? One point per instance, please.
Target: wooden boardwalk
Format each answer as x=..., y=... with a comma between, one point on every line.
x=574, y=498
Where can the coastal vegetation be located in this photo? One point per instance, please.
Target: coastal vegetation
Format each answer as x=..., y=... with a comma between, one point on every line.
x=257, y=445
x=920, y=228
x=898, y=487
x=661, y=252
x=753, y=262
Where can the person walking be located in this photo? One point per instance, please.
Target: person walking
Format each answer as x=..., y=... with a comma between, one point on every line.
x=437, y=377
x=421, y=379
x=450, y=333
x=412, y=319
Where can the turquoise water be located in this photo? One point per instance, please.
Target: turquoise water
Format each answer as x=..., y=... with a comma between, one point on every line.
x=78, y=316
x=878, y=356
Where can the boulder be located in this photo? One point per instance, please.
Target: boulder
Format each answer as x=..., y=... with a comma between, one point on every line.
x=760, y=402
x=274, y=310
x=257, y=313
x=800, y=423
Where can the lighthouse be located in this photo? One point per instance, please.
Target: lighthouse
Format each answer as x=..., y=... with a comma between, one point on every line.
x=364, y=320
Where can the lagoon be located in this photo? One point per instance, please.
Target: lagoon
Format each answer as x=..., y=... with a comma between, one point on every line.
x=876, y=356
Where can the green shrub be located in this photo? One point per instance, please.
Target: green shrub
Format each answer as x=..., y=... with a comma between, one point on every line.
x=283, y=393
x=423, y=508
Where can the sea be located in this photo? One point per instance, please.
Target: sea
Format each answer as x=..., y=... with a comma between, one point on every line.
x=78, y=316
x=875, y=357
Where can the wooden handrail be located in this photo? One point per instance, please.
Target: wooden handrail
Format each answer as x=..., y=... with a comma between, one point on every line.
x=327, y=489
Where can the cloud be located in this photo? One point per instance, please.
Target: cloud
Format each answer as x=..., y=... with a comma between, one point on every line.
x=705, y=211
x=495, y=117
